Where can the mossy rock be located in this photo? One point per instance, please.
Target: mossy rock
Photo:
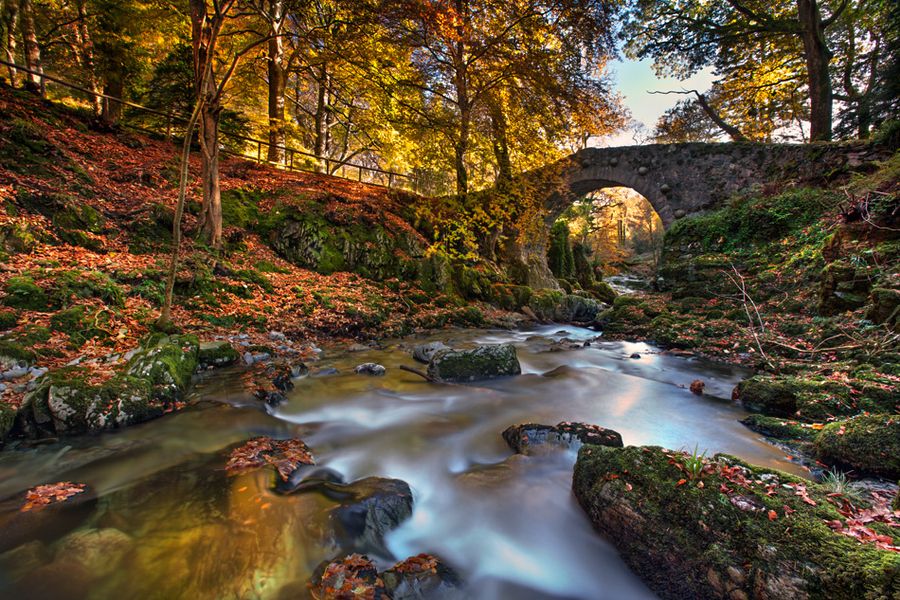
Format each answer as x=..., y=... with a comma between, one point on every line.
x=484, y=362
x=869, y=444
x=8, y=319
x=812, y=399
x=7, y=420
x=843, y=287
x=217, y=354
x=65, y=403
x=545, y=303
x=79, y=217
x=885, y=307
x=781, y=429
x=167, y=362
x=68, y=285
x=23, y=292
x=745, y=533
x=16, y=239
x=510, y=297
x=602, y=291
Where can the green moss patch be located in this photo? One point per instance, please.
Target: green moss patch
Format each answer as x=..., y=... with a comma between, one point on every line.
x=869, y=444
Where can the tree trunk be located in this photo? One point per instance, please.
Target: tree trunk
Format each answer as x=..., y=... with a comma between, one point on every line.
x=211, y=211
x=112, y=110
x=277, y=82
x=461, y=83
x=10, y=21
x=86, y=56
x=33, y=81
x=500, y=143
x=203, y=33
x=818, y=56
x=322, y=118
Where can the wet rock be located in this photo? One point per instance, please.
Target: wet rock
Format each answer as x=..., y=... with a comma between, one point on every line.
x=46, y=523
x=369, y=509
x=635, y=355
x=167, y=363
x=7, y=420
x=423, y=577
x=309, y=478
x=217, y=354
x=688, y=540
x=528, y=438
x=423, y=353
x=277, y=336
x=97, y=550
x=697, y=387
x=484, y=362
x=299, y=370
x=370, y=369
x=868, y=444
x=64, y=402
x=352, y=577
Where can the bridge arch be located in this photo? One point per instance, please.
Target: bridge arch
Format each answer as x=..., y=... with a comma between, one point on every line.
x=677, y=179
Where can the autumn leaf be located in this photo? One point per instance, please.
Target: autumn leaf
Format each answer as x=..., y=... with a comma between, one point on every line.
x=773, y=515
x=42, y=495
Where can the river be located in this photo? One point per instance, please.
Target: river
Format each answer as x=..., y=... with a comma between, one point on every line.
x=166, y=521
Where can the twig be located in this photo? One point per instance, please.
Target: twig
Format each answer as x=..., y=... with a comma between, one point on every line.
x=422, y=374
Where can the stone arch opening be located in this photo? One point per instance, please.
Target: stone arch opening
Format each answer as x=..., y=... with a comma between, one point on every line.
x=613, y=228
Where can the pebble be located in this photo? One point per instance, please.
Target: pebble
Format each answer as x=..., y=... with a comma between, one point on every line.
x=635, y=355
x=37, y=371
x=14, y=373
x=277, y=336
x=325, y=372
x=370, y=369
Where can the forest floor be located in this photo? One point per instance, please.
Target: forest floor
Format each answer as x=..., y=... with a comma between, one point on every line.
x=85, y=224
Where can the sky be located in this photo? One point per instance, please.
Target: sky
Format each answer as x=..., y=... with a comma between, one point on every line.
x=634, y=80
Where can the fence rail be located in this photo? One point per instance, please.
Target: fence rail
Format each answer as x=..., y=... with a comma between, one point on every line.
x=375, y=175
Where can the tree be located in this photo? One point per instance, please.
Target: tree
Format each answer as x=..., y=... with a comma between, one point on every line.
x=32, y=49
x=10, y=15
x=465, y=52
x=684, y=37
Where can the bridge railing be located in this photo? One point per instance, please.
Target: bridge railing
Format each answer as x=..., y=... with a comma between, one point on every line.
x=253, y=147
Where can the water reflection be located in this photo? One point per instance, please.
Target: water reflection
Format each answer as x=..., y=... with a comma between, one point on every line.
x=177, y=526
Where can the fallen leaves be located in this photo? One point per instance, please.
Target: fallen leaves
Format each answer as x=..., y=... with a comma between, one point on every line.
x=285, y=455
x=51, y=493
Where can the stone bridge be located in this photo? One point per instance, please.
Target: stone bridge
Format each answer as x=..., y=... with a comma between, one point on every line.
x=688, y=178
x=677, y=179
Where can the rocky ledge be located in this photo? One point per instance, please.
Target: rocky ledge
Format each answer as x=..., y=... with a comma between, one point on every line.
x=719, y=528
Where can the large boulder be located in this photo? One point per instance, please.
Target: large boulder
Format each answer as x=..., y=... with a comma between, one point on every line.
x=65, y=402
x=528, y=438
x=868, y=444
x=484, y=362
x=724, y=529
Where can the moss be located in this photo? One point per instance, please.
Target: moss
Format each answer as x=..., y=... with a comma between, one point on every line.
x=167, y=362
x=603, y=291
x=813, y=399
x=781, y=429
x=545, y=303
x=745, y=533
x=240, y=207
x=869, y=444
x=484, y=362
x=16, y=238
x=65, y=402
x=8, y=319
x=7, y=419
x=16, y=351
x=79, y=217
x=23, y=292
x=217, y=354
x=559, y=255
x=86, y=284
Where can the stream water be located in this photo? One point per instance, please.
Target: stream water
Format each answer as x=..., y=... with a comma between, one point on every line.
x=165, y=521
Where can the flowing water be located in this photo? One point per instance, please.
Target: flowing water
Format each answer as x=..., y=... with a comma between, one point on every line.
x=163, y=519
